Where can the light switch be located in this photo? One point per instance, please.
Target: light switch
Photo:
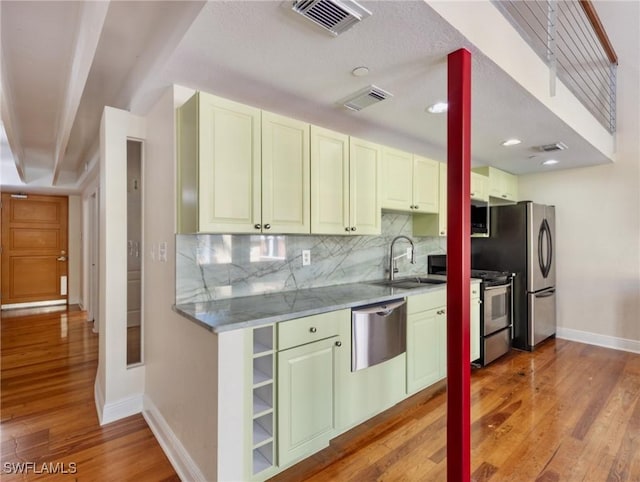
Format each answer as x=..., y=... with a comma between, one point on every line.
x=162, y=252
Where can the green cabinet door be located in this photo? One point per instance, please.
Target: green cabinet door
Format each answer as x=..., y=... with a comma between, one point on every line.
x=426, y=349
x=305, y=399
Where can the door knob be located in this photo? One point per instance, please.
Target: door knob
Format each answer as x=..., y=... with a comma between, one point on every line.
x=62, y=258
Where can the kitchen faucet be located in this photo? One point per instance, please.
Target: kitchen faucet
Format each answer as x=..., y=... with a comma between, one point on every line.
x=393, y=268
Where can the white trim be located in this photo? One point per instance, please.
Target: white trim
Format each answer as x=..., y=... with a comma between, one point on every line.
x=622, y=344
x=99, y=399
x=182, y=463
x=33, y=304
x=111, y=412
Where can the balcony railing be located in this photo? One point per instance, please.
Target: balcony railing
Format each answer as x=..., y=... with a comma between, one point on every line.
x=569, y=38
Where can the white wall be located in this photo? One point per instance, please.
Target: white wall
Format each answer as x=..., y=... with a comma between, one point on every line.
x=598, y=213
x=119, y=389
x=180, y=356
x=75, y=250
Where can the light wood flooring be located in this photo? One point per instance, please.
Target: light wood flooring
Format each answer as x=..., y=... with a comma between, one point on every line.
x=48, y=413
x=568, y=412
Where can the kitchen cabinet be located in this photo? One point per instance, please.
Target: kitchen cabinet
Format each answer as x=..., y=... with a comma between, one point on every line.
x=479, y=187
x=241, y=170
x=474, y=322
x=307, y=384
x=262, y=398
x=427, y=337
x=345, y=184
x=410, y=182
x=434, y=224
x=503, y=187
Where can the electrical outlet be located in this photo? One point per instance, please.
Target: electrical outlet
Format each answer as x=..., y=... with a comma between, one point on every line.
x=162, y=252
x=306, y=257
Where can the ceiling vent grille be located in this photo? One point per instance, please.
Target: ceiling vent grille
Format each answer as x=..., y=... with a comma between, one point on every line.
x=336, y=16
x=557, y=146
x=365, y=97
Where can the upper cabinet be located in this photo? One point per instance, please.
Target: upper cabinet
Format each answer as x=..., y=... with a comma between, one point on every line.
x=503, y=187
x=434, y=224
x=410, y=182
x=479, y=187
x=345, y=184
x=286, y=189
x=241, y=170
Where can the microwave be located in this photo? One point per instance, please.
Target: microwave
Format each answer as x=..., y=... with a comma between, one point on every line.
x=479, y=218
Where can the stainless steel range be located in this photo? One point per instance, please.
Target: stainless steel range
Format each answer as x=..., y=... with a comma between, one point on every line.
x=496, y=315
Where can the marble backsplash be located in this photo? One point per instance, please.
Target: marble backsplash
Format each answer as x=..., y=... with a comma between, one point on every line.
x=218, y=266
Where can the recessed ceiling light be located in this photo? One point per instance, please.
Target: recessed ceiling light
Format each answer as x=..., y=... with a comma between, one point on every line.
x=511, y=142
x=360, y=71
x=438, y=108
x=549, y=162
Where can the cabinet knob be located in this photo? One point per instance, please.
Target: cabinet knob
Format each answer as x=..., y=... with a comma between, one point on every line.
x=442, y=233
x=473, y=194
x=416, y=207
x=412, y=207
x=313, y=329
x=346, y=229
x=257, y=226
x=338, y=343
x=353, y=228
x=267, y=226
x=504, y=195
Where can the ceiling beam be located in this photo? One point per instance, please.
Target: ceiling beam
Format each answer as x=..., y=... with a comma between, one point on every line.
x=8, y=116
x=91, y=21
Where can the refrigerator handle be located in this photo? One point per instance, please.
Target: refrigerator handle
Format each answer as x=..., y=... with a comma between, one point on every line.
x=549, y=247
x=546, y=294
x=541, y=262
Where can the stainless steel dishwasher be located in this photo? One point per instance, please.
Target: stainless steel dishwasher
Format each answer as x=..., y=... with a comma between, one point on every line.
x=378, y=333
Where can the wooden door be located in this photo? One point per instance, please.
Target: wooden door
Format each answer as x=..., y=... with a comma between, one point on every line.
x=34, y=249
x=286, y=192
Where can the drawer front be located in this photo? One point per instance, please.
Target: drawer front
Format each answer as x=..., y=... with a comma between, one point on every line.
x=312, y=328
x=426, y=301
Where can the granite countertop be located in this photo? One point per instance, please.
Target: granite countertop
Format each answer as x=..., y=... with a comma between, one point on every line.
x=250, y=311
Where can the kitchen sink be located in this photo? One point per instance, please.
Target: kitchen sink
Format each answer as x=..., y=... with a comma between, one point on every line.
x=410, y=283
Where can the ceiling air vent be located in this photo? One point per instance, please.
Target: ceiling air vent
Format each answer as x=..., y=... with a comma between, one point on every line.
x=557, y=146
x=336, y=16
x=365, y=97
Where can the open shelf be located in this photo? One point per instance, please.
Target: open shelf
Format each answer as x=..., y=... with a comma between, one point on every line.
x=262, y=458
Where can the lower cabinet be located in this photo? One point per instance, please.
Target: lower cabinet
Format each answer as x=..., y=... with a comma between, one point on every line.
x=427, y=337
x=426, y=350
x=306, y=381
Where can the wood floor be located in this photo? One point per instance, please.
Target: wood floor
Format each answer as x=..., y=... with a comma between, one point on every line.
x=568, y=412
x=47, y=410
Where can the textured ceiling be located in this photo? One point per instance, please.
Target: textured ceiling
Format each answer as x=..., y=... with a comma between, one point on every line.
x=263, y=54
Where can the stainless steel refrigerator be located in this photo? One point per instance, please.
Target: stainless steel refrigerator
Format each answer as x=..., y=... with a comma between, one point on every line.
x=522, y=241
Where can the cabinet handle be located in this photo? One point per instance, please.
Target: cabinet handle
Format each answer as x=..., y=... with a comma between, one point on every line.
x=257, y=226
x=353, y=228
x=338, y=343
x=313, y=329
x=267, y=226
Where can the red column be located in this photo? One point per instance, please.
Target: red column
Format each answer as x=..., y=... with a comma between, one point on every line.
x=458, y=266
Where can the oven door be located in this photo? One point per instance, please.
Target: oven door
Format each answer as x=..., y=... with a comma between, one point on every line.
x=497, y=308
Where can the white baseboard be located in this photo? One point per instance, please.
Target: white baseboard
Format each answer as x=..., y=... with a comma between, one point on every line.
x=622, y=344
x=180, y=459
x=33, y=304
x=110, y=412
